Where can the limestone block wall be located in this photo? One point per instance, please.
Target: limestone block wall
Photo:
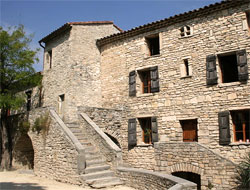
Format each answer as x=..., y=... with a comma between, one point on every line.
x=195, y=158
x=180, y=98
x=75, y=70
x=55, y=156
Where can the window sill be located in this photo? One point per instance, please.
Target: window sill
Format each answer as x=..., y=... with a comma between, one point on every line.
x=237, y=83
x=144, y=145
x=239, y=143
x=152, y=56
x=190, y=76
x=145, y=95
x=189, y=36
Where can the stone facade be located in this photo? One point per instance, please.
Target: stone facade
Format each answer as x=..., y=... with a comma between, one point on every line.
x=87, y=71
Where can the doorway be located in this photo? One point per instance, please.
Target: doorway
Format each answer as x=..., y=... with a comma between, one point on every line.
x=195, y=178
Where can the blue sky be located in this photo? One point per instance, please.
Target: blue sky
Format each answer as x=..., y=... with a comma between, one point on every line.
x=44, y=16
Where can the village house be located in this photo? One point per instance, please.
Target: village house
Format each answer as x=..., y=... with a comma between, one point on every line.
x=166, y=98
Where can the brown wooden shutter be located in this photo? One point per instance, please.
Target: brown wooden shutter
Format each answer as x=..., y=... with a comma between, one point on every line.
x=154, y=79
x=154, y=129
x=242, y=65
x=132, y=141
x=224, y=129
x=211, y=70
x=132, y=83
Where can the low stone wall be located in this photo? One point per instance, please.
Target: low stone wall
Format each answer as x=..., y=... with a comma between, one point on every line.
x=110, y=151
x=109, y=120
x=192, y=157
x=144, y=179
x=55, y=156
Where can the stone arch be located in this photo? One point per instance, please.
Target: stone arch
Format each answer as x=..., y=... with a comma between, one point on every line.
x=186, y=167
x=23, y=152
x=113, y=139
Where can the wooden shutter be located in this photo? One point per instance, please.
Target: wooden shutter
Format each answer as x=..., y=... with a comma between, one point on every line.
x=154, y=129
x=211, y=70
x=242, y=65
x=132, y=141
x=132, y=83
x=154, y=79
x=224, y=130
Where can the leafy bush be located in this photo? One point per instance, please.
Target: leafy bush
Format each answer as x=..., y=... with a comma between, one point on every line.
x=243, y=174
x=42, y=124
x=24, y=126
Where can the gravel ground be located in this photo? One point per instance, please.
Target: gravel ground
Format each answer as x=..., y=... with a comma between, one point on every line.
x=21, y=180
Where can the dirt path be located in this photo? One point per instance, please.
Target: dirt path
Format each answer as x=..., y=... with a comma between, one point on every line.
x=14, y=180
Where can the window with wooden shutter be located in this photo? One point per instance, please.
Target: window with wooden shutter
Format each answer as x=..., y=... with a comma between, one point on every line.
x=154, y=79
x=211, y=70
x=154, y=129
x=189, y=128
x=224, y=130
x=242, y=65
x=132, y=140
x=132, y=83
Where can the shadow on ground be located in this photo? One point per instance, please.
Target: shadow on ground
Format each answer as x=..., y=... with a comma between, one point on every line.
x=20, y=186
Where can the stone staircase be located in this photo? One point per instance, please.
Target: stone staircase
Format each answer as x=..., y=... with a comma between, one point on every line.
x=97, y=172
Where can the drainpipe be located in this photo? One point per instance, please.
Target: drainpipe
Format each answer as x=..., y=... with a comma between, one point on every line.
x=40, y=43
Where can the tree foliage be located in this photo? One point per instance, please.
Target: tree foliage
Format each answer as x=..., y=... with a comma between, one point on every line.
x=243, y=174
x=16, y=66
x=16, y=74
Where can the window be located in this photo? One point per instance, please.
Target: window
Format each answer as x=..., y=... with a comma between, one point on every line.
x=186, y=70
x=153, y=44
x=28, y=102
x=145, y=81
x=186, y=31
x=49, y=58
x=228, y=67
x=61, y=104
x=149, y=81
x=148, y=128
x=189, y=128
x=241, y=122
x=233, y=67
x=248, y=19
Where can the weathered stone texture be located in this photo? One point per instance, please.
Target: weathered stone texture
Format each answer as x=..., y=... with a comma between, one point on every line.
x=76, y=65
x=55, y=155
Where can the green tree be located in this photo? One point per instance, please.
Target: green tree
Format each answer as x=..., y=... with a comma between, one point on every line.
x=16, y=70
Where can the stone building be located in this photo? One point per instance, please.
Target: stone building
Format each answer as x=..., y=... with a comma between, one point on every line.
x=172, y=95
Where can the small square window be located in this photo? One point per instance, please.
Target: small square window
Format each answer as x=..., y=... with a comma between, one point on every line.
x=153, y=44
x=241, y=122
x=228, y=67
x=146, y=127
x=186, y=31
x=189, y=128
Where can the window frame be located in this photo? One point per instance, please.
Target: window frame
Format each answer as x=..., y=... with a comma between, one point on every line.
x=243, y=122
x=151, y=41
x=186, y=31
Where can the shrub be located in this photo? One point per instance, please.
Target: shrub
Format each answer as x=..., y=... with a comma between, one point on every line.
x=42, y=124
x=243, y=174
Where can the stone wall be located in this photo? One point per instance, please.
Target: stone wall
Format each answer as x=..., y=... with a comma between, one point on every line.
x=193, y=157
x=180, y=98
x=144, y=179
x=55, y=156
x=75, y=69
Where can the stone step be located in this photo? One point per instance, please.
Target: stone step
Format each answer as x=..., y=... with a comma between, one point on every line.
x=102, y=180
x=93, y=157
x=85, y=143
x=89, y=149
x=96, y=175
x=90, y=163
x=76, y=130
x=105, y=185
x=98, y=168
x=80, y=137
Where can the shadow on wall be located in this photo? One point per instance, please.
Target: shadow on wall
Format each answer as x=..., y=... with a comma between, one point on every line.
x=23, y=153
x=114, y=140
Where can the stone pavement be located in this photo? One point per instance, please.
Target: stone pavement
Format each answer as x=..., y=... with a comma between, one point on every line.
x=16, y=180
